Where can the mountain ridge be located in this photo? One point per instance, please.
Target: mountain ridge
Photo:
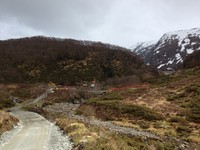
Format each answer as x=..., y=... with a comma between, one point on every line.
x=169, y=52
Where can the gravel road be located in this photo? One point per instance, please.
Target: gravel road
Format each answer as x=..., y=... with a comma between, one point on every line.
x=34, y=132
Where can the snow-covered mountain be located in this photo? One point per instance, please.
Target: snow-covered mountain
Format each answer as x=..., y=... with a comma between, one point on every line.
x=143, y=48
x=171, y=49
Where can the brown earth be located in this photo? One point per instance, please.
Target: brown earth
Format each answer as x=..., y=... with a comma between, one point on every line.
x=7, y=122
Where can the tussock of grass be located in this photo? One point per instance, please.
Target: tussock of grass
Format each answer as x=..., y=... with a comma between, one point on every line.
x=121, y=108
x=89, y=138
x=112, y=96
x=189, y=99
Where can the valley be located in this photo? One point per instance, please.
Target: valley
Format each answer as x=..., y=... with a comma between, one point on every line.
x=70, y=94
x=158, y=113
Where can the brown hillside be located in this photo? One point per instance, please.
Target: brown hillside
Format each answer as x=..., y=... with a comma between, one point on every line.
x=41, y=59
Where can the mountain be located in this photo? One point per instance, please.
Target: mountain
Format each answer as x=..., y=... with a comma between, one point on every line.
x=192, y=60
x=42, y=59
x=171, y=49
x=143, y=48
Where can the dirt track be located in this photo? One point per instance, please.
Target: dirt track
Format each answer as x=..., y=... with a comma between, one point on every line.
x=35, y=133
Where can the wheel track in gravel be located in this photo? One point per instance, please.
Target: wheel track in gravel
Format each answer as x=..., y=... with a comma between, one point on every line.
x=34, y=132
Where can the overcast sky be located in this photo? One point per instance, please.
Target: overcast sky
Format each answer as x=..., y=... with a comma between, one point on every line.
x=120, y=22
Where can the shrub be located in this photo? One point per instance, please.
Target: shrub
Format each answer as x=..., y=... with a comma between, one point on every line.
x=170, y=133
x=120, y=108
x=194, y=89
x=160, y=146
x=144, y=124
x=178, y=119
x=183, y=131
x=5, y=103
x=111, y=96
x=194, y=112
x=22, y=93
x=87, y=111
x=175, y=97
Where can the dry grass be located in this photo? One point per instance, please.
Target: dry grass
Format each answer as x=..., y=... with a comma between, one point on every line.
x=7, y=122
x=179, y=113
x=89, y=137
x=77, y=131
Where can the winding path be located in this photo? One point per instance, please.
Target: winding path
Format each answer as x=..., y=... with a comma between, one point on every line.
x=34, y=133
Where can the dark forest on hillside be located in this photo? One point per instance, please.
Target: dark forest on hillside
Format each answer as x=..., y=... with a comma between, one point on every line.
x=41, y=59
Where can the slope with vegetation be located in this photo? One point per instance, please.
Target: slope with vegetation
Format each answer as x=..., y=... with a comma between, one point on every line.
x=41, y=59
x=193, y=60
x=166, y=106
x=169, y=52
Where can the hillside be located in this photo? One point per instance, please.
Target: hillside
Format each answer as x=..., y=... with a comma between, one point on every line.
x=167, y=107
x=163, y=111
x=143, y=48
x=192, y=60
x=169, y=52
x=41, y=59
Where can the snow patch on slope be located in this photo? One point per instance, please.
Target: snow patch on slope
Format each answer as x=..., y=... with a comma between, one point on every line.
x=183, y=44
x=160, y=66
x=140, y=47
x=178, y=58
x=181, y=35
x=190, y=51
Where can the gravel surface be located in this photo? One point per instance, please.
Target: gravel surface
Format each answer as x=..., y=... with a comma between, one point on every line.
x=34, y=133
x=69, y=108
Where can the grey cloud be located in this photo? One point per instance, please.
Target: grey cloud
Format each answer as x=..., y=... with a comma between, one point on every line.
x=114, y=21
x=60, y=16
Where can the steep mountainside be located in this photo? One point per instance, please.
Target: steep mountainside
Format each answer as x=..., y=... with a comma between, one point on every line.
x=143, y=48
x=171, y=49
x=41, y=59
x=192, y=60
